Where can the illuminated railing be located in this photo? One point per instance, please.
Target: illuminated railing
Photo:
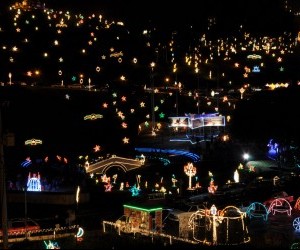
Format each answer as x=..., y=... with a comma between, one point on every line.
x=42, y=234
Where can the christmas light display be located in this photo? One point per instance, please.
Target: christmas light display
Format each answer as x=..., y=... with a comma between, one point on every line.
x=219, y=227
x=257, y=210
x=190, y=171
x=280, y=205
x=34, y=182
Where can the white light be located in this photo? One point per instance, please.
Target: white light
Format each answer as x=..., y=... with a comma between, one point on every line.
x=246, y=156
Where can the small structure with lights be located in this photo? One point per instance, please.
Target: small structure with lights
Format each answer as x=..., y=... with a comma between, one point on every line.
x=196, y=127
x=219, y=227
x=141, y=217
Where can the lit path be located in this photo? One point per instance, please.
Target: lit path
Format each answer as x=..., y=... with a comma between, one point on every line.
x=194, y=157
x=126, y=164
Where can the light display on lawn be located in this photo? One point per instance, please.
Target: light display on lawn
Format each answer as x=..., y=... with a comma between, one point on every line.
x=297, y=204
x=34, y=182
x=257, y=210
x=190, y=171
x=236, y=176
x=197, y=127
x=219, y=227
x=280, y=205
x=296, y=224
x=51, y=245
x=33, y=142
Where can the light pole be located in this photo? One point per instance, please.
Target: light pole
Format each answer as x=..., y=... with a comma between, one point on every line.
x=25, y=208
x=3, y=188
x=198, y=90
x=9, y=76
x=152, y=65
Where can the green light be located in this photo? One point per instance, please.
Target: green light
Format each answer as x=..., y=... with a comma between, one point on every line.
x=143, y=209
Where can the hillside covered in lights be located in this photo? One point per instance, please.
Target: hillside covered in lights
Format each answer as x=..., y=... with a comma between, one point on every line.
x=48, y=55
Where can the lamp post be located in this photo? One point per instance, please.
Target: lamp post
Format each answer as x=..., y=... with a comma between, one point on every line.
x=3, y=186
x=152, y=65
x=9, y=76
x=25, y=208
x=198, y=94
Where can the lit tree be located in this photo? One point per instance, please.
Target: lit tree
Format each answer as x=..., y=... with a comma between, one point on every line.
x=190, y=171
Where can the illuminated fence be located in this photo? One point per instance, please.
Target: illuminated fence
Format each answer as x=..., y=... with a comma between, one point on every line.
x=43, y=234
x=148, y=233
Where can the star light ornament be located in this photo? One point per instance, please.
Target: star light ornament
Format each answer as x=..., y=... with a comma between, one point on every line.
x=125, y=140
x=97, y=148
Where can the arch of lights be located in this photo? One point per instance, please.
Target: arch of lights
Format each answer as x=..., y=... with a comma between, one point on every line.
x=257, y=210
x=280, y=205
x=223, y=227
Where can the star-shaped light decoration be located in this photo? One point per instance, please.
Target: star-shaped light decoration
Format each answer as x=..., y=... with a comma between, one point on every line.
x=122, y=78
x=124, y=125
x=125, y=140
x=146, y=124
x=123, y=98
x=103, y=57
x=114, y=94
x=142, y=104
x=60, y=59
x=120, y=113
x=105, y=105
x=67, y=96
x=161, y=115
x=97, y=148
x=131, y=111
